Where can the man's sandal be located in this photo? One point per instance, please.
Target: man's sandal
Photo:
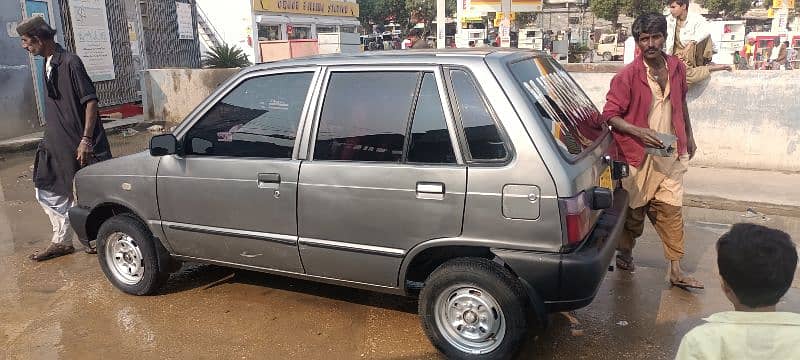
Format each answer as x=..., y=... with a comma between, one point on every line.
x=687, y=283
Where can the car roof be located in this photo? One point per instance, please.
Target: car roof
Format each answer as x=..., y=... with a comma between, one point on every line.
x=400, y=57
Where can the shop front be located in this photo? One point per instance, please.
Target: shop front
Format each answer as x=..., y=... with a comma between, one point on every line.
x=291, y=28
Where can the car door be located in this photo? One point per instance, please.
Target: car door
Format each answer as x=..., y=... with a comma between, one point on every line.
x=231, y=196
x=384, y=174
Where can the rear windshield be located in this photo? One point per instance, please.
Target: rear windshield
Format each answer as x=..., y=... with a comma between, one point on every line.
x=560, y=102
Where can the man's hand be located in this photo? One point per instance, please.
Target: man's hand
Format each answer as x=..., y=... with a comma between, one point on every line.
x=691, y=147
x=649, y=137
x=83, y=153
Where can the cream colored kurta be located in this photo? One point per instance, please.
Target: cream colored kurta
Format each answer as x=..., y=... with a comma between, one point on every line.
x=659, y=178
x=738, y=335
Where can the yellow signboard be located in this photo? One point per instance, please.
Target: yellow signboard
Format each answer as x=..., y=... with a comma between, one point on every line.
x=777, y=4
x=309, y=7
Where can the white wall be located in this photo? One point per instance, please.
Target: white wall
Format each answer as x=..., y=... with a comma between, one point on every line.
x=234, y=22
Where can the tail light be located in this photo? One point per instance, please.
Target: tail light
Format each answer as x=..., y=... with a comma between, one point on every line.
x=577, y=217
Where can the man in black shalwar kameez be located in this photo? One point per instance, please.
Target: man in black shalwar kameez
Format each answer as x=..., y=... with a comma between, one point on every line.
x=73, y=136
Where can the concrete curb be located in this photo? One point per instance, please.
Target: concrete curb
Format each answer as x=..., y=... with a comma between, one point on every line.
x=718, y=203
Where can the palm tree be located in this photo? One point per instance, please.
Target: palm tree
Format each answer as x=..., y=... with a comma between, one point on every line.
x=225, y=56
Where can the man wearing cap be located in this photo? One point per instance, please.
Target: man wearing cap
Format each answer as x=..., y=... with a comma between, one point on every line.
x=73, y=137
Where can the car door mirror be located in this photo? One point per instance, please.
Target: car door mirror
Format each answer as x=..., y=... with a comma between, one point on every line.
x=165, y=144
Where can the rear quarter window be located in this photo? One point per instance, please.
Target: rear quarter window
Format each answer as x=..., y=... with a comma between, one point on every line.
x=561, y=104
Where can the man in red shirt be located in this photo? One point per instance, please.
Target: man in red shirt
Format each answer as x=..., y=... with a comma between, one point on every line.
x=645, y=106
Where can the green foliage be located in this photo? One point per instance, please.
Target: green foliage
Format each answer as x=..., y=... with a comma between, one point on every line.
x=607, y=9
x=425, y=10
x=377, y=11
x=225, y=56
x=727, y=7
x=611, y=9
x=640, y=7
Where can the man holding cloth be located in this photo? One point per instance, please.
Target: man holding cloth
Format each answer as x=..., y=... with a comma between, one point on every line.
x=73, y=137
x=646, y=101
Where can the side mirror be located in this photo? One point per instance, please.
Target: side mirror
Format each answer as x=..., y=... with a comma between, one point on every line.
x=165, y=144
x=600, y=198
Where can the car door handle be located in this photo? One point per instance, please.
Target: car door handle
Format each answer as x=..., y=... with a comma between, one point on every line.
x=430, y=188
x=269, y=180
x=430, y=191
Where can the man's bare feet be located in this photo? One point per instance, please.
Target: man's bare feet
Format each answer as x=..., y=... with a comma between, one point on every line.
x=678, y=278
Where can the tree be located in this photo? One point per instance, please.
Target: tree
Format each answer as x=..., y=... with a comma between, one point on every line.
x=635, y=8
x=425, y=10
x=225, y=56
x=378, y=11
x=727, y=7
x=611, y=9
x=607, y=9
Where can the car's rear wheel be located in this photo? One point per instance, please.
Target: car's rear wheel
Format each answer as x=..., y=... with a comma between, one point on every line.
x=472, y=308
x=607, y=56
x=128, y=255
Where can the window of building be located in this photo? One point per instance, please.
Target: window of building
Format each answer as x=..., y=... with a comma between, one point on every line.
x=371, y=128
x=300, y=33
x=348, y=29
x=483, y=137
x=269, y=32
x=327, y=29
x=259, y=118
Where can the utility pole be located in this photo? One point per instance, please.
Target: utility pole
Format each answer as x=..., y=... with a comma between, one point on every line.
x=505, y=26
x=440, y=24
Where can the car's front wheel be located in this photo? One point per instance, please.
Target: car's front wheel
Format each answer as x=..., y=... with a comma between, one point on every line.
x=472, y=308
x=128, y=255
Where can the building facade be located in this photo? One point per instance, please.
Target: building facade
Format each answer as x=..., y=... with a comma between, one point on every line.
x=115, y=39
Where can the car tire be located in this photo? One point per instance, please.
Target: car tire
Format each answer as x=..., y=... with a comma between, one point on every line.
x=473, y=308
x=129, y=256
x=607, y=56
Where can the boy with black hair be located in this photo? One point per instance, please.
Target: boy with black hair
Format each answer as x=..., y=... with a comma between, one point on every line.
x=757, y=266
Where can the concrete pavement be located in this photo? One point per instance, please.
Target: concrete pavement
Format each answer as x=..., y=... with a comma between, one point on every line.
x=767, y=192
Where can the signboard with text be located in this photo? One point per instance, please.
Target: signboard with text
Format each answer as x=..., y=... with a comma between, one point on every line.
x=185, y=28
x=92, y=40
x=309, y=7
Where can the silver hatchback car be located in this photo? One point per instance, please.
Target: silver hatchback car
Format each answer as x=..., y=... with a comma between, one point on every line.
x=480, y=182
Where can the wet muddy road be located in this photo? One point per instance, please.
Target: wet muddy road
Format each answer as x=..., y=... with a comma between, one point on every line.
x=66, y=309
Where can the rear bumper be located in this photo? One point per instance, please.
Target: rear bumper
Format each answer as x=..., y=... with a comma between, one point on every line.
x=568, y=281
x=77, y=219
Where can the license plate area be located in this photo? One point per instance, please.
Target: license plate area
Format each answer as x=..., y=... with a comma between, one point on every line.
x=605, y=179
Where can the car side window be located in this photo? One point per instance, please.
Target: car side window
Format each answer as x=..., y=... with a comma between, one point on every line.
x=373, y=127
x=259, y=118
x=430, y=140
x=481, y=132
